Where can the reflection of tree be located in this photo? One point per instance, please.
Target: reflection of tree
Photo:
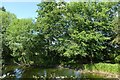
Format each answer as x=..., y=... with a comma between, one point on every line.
x=18, y=73
x=77, y=74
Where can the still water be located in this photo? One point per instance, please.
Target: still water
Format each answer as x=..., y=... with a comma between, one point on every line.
x=20, y=73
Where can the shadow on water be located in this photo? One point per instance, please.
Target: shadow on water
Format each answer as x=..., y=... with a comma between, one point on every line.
x=20, y=73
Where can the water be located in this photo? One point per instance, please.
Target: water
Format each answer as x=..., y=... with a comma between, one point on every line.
x=21, y=72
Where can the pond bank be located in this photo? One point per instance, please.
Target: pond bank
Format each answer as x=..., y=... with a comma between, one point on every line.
x=101, y=73
x=103, y=69
x=87, y=71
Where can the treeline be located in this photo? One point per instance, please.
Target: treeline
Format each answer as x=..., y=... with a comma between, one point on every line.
x=63, y=33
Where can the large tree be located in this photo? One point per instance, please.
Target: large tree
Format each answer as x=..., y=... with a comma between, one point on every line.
x=6, y=19
x=18, y=35
x=91, y=30
x=77, y=28
x=51, y=23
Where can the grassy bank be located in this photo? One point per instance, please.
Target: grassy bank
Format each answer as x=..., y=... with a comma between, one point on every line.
x=104, y=67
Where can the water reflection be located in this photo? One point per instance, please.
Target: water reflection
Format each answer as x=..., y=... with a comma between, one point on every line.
x=45, y=73
x=31, y=72
x=77, y=74
x=18, y=73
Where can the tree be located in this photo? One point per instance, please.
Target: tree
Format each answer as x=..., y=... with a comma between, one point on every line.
x=18, y=33
x=74, y=28
x=116, y=40
x=3, y=9
x=92, y=30
x=5, y=20
x=51, y=23
x=72, y=32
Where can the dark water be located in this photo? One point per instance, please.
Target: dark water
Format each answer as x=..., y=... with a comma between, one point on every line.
x=20, y=72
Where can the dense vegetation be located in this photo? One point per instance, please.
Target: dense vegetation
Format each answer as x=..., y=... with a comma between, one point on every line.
x=103, y=67
x=63, y=33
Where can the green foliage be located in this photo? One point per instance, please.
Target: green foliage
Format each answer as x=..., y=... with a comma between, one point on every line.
x=18, y=33
x=63, y=32
x=117, y=59
x=6, y=19
x=117, y=30
x=74, y=28
x=105, y=67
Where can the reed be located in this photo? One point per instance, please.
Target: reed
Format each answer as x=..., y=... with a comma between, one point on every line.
x=105, y=67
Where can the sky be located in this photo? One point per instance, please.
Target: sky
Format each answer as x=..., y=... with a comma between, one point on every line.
x=22, y=9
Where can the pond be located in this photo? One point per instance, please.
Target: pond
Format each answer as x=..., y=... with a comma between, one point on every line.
x=21, y=72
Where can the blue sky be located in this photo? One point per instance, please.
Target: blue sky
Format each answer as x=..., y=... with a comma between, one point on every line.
x=22, y=9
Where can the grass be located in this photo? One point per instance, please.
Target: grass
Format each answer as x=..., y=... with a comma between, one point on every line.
x=105, y=67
